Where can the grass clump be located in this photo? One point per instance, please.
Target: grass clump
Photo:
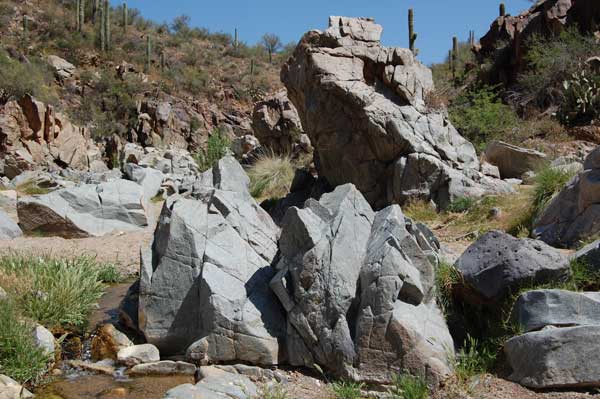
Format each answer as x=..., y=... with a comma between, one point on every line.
x=406, y=386
x=20, y=358
x=271, y=176
x=461, y=204
x=60, y=293
x=474, y=358
x=420, y=211
x=216, y=148
x=347, y=389
x=274, y=392
x=446, y=278
x=548, y=182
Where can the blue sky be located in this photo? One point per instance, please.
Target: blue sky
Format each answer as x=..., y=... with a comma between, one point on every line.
x=436, y=21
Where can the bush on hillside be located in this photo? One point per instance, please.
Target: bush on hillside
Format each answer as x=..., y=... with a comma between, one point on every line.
x=480, y=116
x=18, y=79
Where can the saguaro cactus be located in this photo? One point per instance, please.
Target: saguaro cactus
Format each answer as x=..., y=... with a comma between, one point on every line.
x=472, y=38
x=81, y=15
x=412, y=36
x=163, y=61
x=77, y=20
x=502, y=9
x=25, y=27
x=106, y=24
x=235, y=40
x=148, y=53
x=95, y=10
x=454, y=56
x=125, y=17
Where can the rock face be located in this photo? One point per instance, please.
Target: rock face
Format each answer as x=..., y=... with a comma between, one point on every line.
x=87, y=210
x=556, y=358
x=574, y=213
x=205, y=280
x=363, y=107
x=513, y=161
x=276, y=124
x=498, y=263
x=357, y=289
x=8, y=228
x=537, y=309
x=545, y=18
x=33, y=134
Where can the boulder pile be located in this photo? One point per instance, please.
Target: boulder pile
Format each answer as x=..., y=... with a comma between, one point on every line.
x=363, y=107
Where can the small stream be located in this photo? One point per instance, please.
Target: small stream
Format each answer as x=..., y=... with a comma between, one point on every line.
x=77, y=384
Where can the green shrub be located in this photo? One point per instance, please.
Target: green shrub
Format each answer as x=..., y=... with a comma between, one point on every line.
x=271, y=176
x=20, y=358
x=216, y=148
x=17, y=79
x=461, y=204
x=346, y=389
x=473, y=358
x=580, y=103
x=406, y=386
x=446, y=278
x=61, y=292
x=480, y=116
x=109, y=273
x=548, y=182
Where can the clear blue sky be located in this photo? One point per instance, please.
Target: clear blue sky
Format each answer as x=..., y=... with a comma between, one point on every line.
x=436, y=21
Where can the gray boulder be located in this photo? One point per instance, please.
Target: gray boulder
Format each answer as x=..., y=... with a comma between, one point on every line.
x=216, y=384
x=204, y=283
x=513, y=161
x=138, y=354
x=498, y=263
x=556, y=358
x=363, y=107
x=85, y=211
x=537, y=309
x=590, y=255
x=573, y=214
x=377, y=284
x=8, y=228
x=44, y=340
x=150, y=179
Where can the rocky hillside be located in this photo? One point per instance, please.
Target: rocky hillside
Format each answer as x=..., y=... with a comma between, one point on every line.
x=340, y=239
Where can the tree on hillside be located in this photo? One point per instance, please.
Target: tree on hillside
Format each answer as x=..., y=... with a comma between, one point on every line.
x=272, y=43
x=181, y=24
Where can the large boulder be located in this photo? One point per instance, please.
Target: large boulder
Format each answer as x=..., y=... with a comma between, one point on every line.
x=498, y=263
x=573, y=214
x=276, y=123
x=87, y=210
x=513, y=161
x=556, y=358
x=150, y=179
x=8, y=228
x=215, y=384
x=357, y=289
x=363, y=107
x=204, y=283
x=537, y=309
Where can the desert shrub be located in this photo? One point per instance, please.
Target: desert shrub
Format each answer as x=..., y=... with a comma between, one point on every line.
x=109, y=273
x=461, y=204
x=63, y=291
x=406, y=386
x=421, y=211
x=548, y=182
x=216, y=148
x=446, y=278
x=580, y=101
x=271, y=176
x=274, y=392
x=551, y=61
x=20, y=358
x=480, y=116
x=17, y=79
x=346, y=389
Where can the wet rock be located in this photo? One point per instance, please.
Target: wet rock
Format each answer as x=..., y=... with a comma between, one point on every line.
x=108, y=341
x=138, y=354
x=165, y=367
x=498, y=263
x=102, y=367
x=215, y=384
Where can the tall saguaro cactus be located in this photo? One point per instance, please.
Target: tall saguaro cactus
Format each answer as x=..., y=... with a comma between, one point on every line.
x=25, y=27
x=106, y=24
x=235, y=40
x=77, y=20
x=125, y=17
x=454, y=56
x=81, y=15
x=412, y=36
x=148, y=53
x=502, y=9
x=95, y=10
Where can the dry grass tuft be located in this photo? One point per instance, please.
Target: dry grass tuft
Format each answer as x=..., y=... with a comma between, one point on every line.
x=271, y=176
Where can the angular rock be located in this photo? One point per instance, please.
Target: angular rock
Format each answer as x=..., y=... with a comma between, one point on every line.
x=513, y=161
x=10, y=389
x=8, y=228
x=378, y=284
x=63, y=68
x=216, y=384
x=44, y=340
x=537, y=309
x=150, y=179
x=107, y=342
x=556, y=358
x=573, y=214
x=138, y=354
x=590, y=255
x=362, y=106
x=85, y=211
x=498, y=263
x=165, y=367
x=204, y=284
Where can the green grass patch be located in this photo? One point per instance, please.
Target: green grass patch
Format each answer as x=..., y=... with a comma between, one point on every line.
x=30, y=188
x=474, y=358
x=548, y=182
x=461, y=204
x=55, y=292
x=20, y=358
x=216, y=148
x=347, y=389
x=406, y=386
